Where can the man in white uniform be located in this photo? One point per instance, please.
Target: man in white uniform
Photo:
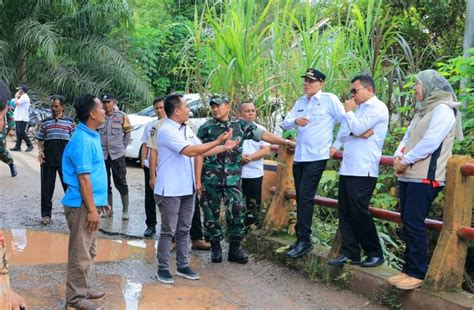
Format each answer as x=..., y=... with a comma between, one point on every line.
x=22, y=117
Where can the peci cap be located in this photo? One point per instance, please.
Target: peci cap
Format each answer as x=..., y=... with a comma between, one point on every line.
x=107, y=97
x=218, y=99
x=314, y=75
x=23, y=88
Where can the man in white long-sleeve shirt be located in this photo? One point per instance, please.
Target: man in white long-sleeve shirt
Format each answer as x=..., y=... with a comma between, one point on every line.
x=314, y=116
x=22, y=117
x=363, y=136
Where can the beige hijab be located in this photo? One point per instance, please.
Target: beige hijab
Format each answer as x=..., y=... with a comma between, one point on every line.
x=437, y=90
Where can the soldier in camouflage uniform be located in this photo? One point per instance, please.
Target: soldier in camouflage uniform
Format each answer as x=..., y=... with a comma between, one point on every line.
x=221, y=179
x=5, y=156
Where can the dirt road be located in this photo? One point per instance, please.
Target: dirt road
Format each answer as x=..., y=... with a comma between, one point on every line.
x=125, y=268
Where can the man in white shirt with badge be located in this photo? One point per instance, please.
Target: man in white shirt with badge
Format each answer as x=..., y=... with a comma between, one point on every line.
x=175, y=184
x=252, y=169
x=363, y=135
x=22, y=117
x=314, y=116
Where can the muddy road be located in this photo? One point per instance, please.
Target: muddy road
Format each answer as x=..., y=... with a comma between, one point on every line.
x=125, y=268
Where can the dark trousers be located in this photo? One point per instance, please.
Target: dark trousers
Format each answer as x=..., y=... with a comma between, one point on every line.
x=119, y=174
x=415, y=203
x=48, y=182
x=150, y=207
x=355, y=221
x=196, y=225
x=252, y=190
x=21, y=134
x=306, y=176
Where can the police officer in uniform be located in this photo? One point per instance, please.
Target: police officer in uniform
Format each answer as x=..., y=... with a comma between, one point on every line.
x=4, y=154
x=114, y=137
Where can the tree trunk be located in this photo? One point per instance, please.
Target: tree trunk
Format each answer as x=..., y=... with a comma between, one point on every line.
x=21, y=73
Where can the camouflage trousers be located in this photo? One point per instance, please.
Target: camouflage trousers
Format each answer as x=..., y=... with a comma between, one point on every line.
x=4, y=154
x=234, y=212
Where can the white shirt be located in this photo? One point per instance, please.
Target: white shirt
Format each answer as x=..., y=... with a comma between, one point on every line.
x=442, y=121
x=314, y=140
x=22, y=109
x=253, y=169
x=362, y=156
x=175, y=172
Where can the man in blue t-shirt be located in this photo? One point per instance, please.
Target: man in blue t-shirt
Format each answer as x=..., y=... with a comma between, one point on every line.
x=86, y=196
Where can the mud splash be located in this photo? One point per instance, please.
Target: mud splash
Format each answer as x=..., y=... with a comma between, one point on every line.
x=28, y=247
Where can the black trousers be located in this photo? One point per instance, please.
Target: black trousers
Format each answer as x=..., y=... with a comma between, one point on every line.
x=21, y=134
x=196, y=225
x=252, y=190
x=119, y=173
x=355, y=221
x=415, y=203
x=48, y=181
x=306, y=176
x=150, y=207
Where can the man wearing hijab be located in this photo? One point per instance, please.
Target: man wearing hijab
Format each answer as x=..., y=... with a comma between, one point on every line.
x=420, y=164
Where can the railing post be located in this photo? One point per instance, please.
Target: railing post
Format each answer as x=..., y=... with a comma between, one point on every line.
x=447, y=264
x=277, y=215
x=4, y=282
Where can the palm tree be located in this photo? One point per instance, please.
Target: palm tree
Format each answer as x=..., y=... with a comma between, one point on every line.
x=68, y=47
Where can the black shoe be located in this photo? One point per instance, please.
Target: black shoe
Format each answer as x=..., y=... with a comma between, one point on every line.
x=300, y=249
x=216, y=252
x=29, y=149
x=236, y=254
x=149, y=232
x=13, y=171
x=16, y=149
x=342, y=260
x=187, y=273
x=373, y=261
x=164, y=276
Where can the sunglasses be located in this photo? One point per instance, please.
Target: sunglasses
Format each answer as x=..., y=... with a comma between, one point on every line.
x=355, y=90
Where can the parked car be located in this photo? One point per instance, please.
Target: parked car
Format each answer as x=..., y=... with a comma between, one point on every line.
x=198, y=115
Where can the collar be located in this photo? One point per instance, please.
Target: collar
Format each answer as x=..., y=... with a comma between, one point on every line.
x=316, y=96
x=87, y=130
x=372, y=100
x=174, y=124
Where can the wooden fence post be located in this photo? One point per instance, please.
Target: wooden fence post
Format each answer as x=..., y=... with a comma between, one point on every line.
x=4, y=281
x=277, y=215
x=446, y=268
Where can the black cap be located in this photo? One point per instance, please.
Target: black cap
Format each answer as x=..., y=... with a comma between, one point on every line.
x=314, y=75
x=218, y=99
x=107, y=97
x=23, y=88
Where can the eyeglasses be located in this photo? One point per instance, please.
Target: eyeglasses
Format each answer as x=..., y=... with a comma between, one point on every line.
x=355, y=90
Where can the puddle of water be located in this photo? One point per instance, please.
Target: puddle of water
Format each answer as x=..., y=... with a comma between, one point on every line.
x=29, y=247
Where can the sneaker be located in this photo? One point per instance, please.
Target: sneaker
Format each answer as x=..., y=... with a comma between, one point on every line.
x=15, y=149
x=164, y=276
x=393, y=280
x=187, y=273
x=149, y=232
x=409, y=283
x=29, y=149
x=45, y=220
